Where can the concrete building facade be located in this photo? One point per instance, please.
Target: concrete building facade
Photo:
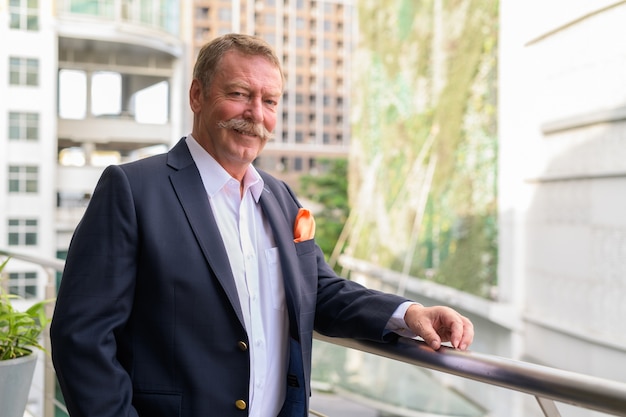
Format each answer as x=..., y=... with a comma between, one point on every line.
x=562, y=176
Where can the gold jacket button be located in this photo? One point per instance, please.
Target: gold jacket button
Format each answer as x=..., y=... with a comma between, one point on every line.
x=242, y=346
x=241, y=404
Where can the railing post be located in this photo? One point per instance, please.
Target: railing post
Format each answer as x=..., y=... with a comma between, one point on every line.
x=548, y=407
x=49, y=375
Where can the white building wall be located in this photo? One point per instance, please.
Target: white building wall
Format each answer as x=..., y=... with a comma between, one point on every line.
x=562, y=181
x=40, y=99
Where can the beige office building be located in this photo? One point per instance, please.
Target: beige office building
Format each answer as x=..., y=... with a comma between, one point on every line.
x=314, y=40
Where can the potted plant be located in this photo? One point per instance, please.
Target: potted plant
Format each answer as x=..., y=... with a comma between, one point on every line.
x=19, y=339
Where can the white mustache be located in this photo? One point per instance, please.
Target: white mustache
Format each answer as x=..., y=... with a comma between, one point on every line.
x=247, y=127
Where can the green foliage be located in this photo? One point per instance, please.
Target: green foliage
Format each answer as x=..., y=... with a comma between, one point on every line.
x=426, y=124
x=20, y=331
x=329, y=188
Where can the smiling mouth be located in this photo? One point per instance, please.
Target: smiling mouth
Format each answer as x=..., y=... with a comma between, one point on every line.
x=246, y=128
x=242, y=132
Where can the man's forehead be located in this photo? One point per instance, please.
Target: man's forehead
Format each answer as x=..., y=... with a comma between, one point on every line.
x=241, y=76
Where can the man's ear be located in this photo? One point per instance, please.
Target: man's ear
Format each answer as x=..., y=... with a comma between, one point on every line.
x=196, y=94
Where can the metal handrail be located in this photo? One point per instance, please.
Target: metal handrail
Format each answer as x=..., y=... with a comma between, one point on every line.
x=56, y=264
x=545, y=383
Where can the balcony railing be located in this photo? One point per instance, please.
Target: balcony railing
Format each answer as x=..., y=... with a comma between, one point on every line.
x=546, y=384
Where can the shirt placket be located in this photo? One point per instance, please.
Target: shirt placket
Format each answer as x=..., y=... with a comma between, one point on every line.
x=251, y=267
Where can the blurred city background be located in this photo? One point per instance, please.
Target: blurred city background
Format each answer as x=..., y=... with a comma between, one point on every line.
x=462, y=152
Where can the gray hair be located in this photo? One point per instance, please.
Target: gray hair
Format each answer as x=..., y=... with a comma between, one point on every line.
x=212, y=53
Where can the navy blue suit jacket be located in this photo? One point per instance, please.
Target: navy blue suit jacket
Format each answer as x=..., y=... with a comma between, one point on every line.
x=148, y=321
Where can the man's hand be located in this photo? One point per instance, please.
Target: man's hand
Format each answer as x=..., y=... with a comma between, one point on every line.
x=440, y=324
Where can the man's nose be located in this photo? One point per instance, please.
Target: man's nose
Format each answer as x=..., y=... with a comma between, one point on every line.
x=254, y=110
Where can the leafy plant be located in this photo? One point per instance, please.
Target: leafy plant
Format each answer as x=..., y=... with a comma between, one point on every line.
x=20, y=331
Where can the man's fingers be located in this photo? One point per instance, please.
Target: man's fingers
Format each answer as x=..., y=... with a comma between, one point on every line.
x=468, y=333
x=431, y=337
x=440, y=324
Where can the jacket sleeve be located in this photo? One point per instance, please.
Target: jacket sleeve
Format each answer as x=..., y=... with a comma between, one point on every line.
x=94, y=302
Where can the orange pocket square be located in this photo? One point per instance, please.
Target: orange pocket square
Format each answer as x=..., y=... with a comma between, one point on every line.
x=304, y=226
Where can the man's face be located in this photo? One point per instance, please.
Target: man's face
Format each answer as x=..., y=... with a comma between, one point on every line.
x=234, y=117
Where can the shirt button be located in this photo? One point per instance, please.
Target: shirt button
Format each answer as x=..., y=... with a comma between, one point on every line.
x=241, y=404
x=242, y=346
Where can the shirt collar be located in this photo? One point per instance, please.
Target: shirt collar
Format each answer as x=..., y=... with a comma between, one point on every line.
x=215, y=177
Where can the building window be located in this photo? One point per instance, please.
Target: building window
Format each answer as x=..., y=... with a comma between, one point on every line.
x=202, y=13
x=23, y=126
x=297, y=163
x=23, y=284
x=24, y=14
x=22, y=232
x=23, y=71
x=270, y=38
x=225, y=14
x=23, y=179
x=269, y=19
x=103, y=8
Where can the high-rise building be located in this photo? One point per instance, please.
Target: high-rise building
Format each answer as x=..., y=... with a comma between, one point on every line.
x=314, y=39
x=85, y=84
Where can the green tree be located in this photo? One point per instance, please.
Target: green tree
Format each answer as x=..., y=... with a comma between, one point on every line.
x=328, y=188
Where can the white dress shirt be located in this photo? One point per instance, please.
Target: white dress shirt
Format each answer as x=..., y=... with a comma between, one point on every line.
x=253, y=258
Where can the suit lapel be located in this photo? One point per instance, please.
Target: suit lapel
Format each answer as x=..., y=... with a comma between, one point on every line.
x=283, y=235
x=192, y=196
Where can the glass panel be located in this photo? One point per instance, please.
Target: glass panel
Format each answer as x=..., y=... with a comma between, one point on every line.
x=15, y=21
x=32, y=72
x=32, y=132
x=30, y=291
x=14, y=186
x=84, y=6
x=31, y=239
x=14, y=132
x=32, y=23
x=14, y=71
x=14, y=239
x=31, y=186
